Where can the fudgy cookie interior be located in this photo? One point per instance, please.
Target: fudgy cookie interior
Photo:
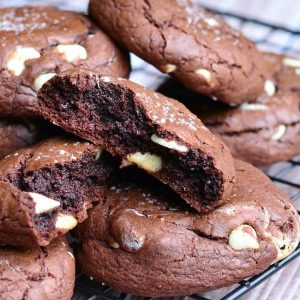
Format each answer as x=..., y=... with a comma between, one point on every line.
x=75, y=184
x=107, y=114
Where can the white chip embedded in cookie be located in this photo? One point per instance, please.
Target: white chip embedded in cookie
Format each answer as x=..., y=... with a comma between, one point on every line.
x=171, y=250
x=72, y=53
x=147, y=161
x=43, y=204
x=16, y=60
x=36, y=41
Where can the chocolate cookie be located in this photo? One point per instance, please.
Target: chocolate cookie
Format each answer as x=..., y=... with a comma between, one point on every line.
x=18, y=133
x=194, y=46
x=261, y=133
x=37, y=42
x=46, y=273
x=143, y=241
x=45, y=190
x=157, y=133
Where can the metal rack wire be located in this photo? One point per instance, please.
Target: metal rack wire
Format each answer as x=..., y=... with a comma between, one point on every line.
x=284, y=174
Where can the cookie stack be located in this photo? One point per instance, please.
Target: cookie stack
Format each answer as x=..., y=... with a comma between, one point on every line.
x=155, y=199
x=35, y=44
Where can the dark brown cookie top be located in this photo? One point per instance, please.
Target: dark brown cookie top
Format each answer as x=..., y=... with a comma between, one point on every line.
x=169, y=250
x=273, y=120
x=157, y=133
x=37, y=273
x=194, y=46
x=46, y=189
x=280, y=110
x=38, y=42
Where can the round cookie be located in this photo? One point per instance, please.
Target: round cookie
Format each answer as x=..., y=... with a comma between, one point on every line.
x=157, y=133
x=143, y=241
x=17, y=133
x=37, y=42
x=45, y=190
x=261, y=133
x=46, y=273
x=194, y=46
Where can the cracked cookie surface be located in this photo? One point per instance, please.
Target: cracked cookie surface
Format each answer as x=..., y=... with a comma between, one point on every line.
x=46, y=189
x=144, y=241
x=46, y=273
x=158, y=134
x=38, y=42
x=194, y=46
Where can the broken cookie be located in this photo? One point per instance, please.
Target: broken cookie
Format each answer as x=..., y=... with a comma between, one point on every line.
x=156, y=133
x=46, y=189
x=38, y=42
x=145, y=242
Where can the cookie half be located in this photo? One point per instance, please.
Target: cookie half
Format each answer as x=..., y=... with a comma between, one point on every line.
x=156, y=133
x=180, y=38
x=46, y=190
x=143, y=241
x=37, y=273
x=38, y=42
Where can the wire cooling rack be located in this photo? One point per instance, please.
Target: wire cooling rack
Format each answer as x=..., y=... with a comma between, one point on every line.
x=284, y=174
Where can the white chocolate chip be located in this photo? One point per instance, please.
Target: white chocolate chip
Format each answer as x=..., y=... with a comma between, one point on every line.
x=42, y=79
x=291, y=62
x=134, y=211
x=99, y=152
x=168, y=144
x=65, y=222
x=16, y=62
x=243, y=237
x=280, y=131
x=284, y=247
x=253, y=106
x=211, y=22
x=169, y=68
x=71, y=53
x=43, y=204
x=267, y=218
x=270, y=88
x=114, y=244
x=227, y=210
x=204, y=74
x=105, y=78
x=147, y=161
